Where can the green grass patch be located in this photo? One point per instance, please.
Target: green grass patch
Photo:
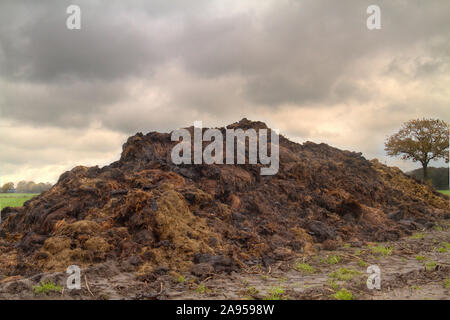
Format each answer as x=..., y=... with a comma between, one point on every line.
x=303, y=268
x=333, y=259
x=275, y=293
x=421, y=258
x=362, y=263
x=181, y=279
x=14, y=199
x=344, y=274
x=202, y=289
x=333, y=284
x=447, y=283
x=382, y=250
x=418, y=236
x=343, y=294
x=429, y=266
x=447, y=192
x=46, y=287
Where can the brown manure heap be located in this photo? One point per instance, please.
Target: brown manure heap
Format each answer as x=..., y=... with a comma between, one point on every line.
x=152, y=214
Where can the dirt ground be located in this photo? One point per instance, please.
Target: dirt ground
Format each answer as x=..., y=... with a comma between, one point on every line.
x=416, y=267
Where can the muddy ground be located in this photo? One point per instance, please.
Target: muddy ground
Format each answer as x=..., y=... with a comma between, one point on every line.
x=415, y=267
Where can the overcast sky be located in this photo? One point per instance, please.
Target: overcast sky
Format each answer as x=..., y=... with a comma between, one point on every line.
x=309, y=68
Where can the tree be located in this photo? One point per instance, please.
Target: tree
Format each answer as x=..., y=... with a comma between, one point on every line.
x=32, y=187
x=21, y=187
x=7, y=187
x=420, y=140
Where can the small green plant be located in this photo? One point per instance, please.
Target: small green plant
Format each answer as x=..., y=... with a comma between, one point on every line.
x=347, y=245
x=418, y=236
x=379, y=249
x=362, y=263
x=446, y=245
x=333, y=284
x=416, y=287
x=343, y=294
x=447, y=283
x=430, y=265
x=181, y=279
x=344, y=274
x=420, y=258
x=46, y=287
x=202, y=289
x=275, y=293
x=442, y=250
x=303, y=268
x=332, y=259
x=438, y=228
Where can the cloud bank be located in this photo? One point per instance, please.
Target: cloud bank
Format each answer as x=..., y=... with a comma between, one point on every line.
x=310, y=68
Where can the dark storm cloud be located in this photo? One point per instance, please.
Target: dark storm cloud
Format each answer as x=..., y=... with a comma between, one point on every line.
x=72, y=104
x=108, y=47
x=310, y=66
x=292, y=52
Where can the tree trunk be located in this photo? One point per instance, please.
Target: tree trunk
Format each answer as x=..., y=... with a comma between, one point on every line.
x=425, y=172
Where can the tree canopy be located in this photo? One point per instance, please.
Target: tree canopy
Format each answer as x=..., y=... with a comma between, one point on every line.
x=420, y=140
x=7, y=187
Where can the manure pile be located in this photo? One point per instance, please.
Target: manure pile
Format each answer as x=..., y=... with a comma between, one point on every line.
x=152, y=214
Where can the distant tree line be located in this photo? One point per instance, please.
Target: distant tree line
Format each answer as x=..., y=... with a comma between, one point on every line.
x=25, y=187
x=437, y=176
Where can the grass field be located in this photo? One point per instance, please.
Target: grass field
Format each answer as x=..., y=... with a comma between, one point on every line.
x=447, y=192
x=14, y=199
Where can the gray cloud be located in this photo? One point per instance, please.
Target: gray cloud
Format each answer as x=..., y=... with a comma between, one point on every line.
x=155, y=65
x=65, y=105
